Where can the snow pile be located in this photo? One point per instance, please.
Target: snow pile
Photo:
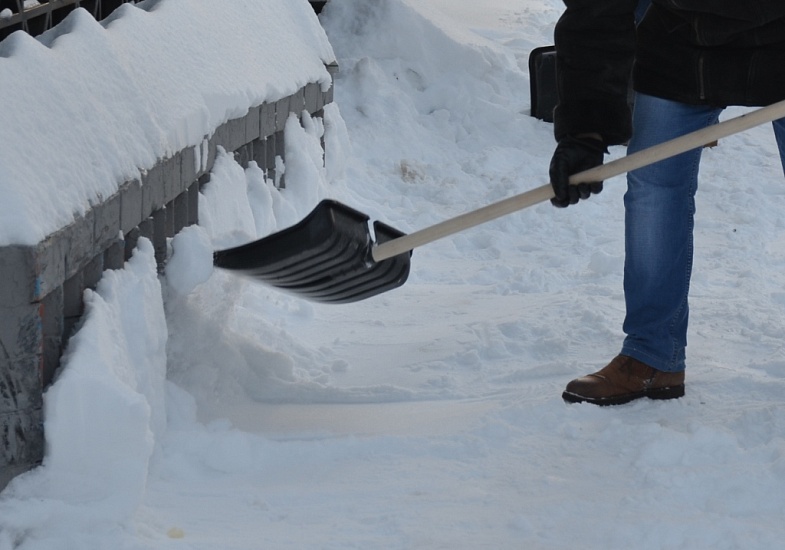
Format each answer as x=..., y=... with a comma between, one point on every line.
x=191, y=261
x=89, y=105
x=104, y=416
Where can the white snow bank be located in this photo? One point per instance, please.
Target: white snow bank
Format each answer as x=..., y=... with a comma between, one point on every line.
x=191, y=261
x=104, y=412
x=89, y=105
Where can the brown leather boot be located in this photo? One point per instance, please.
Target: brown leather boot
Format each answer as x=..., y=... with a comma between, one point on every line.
x=623, y=380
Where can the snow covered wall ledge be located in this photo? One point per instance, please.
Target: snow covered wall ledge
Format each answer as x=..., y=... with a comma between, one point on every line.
x=107, y=131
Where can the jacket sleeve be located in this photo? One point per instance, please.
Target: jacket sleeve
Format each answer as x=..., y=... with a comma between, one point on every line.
x=595, y=48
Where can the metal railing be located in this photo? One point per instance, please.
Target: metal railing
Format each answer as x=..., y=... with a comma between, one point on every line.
x=36, y=17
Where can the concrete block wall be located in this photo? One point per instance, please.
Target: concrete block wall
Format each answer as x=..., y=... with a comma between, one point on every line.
x=41, y=286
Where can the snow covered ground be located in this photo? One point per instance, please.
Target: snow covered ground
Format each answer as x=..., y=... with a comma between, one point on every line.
x=429, y=416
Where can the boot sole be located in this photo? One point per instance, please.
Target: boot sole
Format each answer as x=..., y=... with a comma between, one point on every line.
x=671, y=392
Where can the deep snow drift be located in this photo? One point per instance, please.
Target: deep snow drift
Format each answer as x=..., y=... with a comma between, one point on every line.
x=429, y=416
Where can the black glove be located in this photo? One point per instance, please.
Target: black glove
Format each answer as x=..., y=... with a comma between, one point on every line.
x=573, y=155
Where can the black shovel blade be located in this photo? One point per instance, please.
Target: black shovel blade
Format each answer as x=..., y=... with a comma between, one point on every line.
x=325, y=258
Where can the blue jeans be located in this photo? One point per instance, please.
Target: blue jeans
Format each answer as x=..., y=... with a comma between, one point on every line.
x=659, y=219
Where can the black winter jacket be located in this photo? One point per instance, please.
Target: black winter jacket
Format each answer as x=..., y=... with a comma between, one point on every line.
x=709, y=52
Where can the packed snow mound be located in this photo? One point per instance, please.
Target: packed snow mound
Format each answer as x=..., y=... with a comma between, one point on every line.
x=106, y=411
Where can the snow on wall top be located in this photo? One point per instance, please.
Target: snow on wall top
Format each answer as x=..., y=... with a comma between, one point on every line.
x=90, y=104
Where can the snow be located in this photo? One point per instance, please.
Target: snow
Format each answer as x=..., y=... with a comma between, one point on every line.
x=111, y=98
x=429, y=416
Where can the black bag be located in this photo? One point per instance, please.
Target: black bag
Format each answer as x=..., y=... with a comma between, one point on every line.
x=542, y=82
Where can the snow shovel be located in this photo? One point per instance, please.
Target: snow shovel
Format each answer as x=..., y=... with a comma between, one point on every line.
x=330, y=256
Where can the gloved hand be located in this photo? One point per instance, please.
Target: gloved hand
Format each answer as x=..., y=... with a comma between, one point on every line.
x=573, y=155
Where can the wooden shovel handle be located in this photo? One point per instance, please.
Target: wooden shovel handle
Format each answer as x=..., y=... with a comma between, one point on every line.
x=665, y=150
